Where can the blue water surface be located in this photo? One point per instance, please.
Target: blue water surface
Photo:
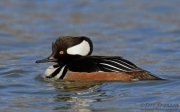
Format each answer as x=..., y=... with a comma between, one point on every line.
x=145, y=32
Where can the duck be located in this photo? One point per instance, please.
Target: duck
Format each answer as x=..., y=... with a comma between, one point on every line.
x=74, y=62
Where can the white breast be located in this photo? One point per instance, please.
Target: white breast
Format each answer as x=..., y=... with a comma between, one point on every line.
x=50, y=70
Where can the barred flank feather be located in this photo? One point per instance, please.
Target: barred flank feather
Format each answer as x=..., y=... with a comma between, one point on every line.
x=143, y=75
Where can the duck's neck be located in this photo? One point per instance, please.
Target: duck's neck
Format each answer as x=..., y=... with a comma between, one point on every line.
x=68, y=59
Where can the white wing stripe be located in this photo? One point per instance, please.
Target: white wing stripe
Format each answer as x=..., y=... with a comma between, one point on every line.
x=111, y=70
x=120, y=64
x=112, y=66
x=124, y=63
x=108, y=69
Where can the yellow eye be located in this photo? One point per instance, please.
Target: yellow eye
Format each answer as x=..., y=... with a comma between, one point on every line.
x=61, y=52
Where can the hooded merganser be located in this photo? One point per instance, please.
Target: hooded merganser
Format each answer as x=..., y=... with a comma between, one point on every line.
x=72, y=55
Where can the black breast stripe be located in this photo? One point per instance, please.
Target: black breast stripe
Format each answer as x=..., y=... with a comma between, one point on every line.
x=55, y=72
x=63, y=73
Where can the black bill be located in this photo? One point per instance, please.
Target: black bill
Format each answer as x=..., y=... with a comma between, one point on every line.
x=49, y=59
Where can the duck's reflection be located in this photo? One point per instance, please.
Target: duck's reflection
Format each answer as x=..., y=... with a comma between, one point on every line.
x=77, y=95
x=70, y=86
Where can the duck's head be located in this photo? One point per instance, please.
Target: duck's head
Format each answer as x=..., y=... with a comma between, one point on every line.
x=67, y=48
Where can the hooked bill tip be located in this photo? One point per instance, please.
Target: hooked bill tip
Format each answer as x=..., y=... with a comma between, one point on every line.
x=46, y=60
x=40, y=61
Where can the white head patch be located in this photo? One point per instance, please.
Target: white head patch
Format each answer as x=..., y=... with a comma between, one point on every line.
x=82, y=49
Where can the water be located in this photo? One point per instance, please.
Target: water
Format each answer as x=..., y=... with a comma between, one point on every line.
x=144, y=32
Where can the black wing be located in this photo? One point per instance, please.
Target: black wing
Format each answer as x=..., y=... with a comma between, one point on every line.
x=109, y=64
x=101, y=63
x=118, y=64
x=83, y=64
x=114, y=64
